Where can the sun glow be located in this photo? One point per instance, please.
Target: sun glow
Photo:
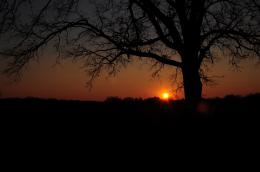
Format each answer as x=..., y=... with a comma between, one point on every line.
x=165, y=96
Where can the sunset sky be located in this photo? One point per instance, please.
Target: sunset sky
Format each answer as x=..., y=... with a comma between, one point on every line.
x=68, y=81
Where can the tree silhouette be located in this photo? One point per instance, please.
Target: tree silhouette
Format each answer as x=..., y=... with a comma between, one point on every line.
x=108, y=34
x=6, y=15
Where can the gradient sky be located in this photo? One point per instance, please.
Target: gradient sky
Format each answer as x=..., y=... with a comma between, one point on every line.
x=68, y=81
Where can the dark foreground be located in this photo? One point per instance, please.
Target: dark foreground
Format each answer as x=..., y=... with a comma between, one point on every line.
x=129, y=128
x=232, y=113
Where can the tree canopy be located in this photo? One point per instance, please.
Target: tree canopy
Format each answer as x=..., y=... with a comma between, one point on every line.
x=186, y=34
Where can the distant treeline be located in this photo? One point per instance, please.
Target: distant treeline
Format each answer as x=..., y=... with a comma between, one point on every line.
x=130, y=117
x=134, y=108
x=126, y=99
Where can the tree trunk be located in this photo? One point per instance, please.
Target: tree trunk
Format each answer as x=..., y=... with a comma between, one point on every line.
x=192, y=83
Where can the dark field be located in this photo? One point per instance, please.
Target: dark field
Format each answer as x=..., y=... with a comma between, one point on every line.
x=232, y=113
x=228, y=125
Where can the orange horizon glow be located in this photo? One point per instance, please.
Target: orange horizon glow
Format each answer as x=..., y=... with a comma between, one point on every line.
x=68, y=81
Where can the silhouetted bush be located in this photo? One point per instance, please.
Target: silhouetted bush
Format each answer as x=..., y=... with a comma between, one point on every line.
x=113, y=99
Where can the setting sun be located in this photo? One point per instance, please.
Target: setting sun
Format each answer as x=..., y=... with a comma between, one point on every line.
x=165, y=96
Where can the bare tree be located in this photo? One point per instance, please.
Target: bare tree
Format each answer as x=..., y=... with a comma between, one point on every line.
x=108, y=34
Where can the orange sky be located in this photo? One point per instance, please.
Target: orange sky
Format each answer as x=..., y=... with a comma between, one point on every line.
x=68, y=82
